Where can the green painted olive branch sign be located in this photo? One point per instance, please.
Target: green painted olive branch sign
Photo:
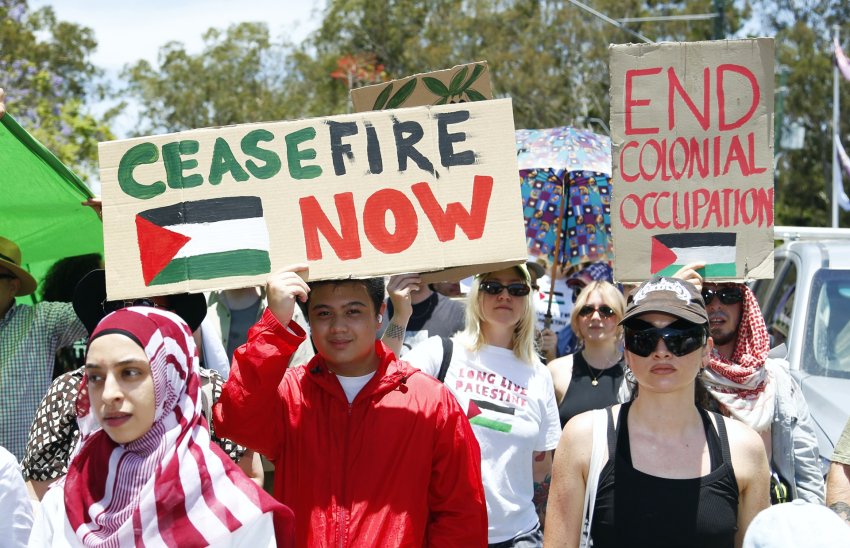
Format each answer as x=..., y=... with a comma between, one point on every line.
x=459, y=84
x=382, y=192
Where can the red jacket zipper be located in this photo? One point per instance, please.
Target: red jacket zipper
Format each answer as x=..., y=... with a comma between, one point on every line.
x=343, y=516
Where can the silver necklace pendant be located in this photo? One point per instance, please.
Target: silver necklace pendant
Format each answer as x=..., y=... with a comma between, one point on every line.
x=594, y=382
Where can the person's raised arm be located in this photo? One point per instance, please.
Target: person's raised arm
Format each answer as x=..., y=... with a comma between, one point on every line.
x=549, y=345
x=569, y=481
x=251, y=403
x=399, y=288
x=96, y=204
x=690, y=273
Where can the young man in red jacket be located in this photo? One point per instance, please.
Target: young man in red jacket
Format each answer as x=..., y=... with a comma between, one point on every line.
x=368, y=451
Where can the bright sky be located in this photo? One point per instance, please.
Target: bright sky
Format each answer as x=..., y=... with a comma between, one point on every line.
x=129, y=31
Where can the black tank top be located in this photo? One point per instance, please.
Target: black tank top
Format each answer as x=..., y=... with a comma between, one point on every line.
x=644, y=510
x=582, y=396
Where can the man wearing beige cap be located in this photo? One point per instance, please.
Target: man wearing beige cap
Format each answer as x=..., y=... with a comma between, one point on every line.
x=29, y=337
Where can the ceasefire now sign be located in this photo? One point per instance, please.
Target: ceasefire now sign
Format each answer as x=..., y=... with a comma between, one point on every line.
x=419, y=189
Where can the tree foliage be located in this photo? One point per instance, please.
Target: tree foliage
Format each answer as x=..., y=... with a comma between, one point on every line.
x=549, y=56
x=803, y=32
x=49, y=81
x=237, y=78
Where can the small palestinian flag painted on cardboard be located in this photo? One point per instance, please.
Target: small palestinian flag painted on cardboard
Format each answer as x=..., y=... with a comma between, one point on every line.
x=670, y=252
x=203, y=240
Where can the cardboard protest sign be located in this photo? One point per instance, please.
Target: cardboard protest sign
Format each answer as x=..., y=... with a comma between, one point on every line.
x=692, y=129
x=462, y=83
x=419, y=189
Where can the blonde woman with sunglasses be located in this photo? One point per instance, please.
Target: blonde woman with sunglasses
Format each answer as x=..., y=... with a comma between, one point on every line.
x=591, y=378
x=496, y=375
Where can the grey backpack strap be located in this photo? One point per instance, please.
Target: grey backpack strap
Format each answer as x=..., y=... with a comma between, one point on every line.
x=447, y=358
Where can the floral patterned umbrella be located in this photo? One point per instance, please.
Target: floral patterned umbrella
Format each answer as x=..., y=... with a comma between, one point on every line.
x=569, y=162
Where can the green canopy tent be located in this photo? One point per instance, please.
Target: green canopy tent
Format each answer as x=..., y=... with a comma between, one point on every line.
x=40, y=203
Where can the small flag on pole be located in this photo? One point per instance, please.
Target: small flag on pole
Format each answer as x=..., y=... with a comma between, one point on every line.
x=841, y=60
x=670, y=252
x=203, y=240
x=843, y=200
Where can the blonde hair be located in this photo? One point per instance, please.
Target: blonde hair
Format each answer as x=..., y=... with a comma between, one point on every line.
x=610, y=296
x=522, y=341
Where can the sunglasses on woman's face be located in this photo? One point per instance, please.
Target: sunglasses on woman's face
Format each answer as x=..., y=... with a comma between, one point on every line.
x=605, y=311
x=680, y=338
x=517, y=289
x=727, y=295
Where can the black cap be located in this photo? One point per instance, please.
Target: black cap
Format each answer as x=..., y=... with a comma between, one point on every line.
x=90, y=296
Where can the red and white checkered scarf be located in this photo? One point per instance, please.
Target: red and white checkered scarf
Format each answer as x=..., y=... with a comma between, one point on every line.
x=170, y=487
x=742, y=385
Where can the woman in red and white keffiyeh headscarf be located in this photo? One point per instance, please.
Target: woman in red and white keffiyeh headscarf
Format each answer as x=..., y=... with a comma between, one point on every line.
x=145, y=473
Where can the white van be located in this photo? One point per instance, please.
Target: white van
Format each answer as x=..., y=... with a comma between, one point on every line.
x=807, y=308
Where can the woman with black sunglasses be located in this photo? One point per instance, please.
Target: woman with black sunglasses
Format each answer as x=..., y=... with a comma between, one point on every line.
x=494, y=371
x=671, y=473
x=591, y=378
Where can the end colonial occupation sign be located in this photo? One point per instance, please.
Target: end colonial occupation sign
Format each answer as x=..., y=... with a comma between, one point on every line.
x=411, y=190
x=692, y=134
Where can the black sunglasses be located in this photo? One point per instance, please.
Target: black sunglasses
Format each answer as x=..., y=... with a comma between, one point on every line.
x=517, y=289
x=727, y=295
x=680, y=338
x=605, y=311
x=112, y=306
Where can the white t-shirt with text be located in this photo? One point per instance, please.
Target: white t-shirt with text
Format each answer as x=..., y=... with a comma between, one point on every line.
x=511, y=406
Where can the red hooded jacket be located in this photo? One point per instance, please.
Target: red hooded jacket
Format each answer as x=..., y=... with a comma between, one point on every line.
x=399, y=466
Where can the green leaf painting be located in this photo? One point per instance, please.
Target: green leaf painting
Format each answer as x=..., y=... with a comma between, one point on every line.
x=437, y=87
x=459, y=89
x=382, y=98
x=402, y=94
x=474, y=95
x=476, y=72
x=457, y=81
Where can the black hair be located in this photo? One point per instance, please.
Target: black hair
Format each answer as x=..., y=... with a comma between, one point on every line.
x=62, y=278
x=374, y=287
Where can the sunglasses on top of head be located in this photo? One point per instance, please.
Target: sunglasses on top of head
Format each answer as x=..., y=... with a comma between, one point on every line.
x=605, y=311
x=727, y=295
x=517, y=289
x=681, y=338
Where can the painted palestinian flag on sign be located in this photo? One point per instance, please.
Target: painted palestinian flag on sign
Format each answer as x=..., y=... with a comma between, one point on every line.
x=670, y=252
x=475, y=415
x=203, y=240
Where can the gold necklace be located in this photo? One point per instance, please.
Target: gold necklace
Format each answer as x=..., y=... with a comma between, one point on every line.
x=594, y=380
